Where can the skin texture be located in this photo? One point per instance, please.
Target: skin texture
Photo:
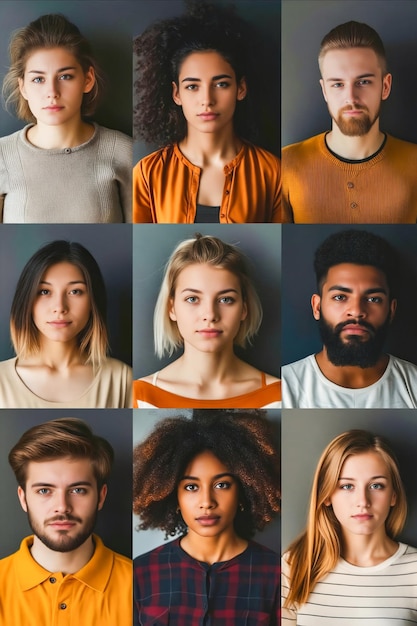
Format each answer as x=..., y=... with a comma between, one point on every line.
x=62, y=307
x=208, y=307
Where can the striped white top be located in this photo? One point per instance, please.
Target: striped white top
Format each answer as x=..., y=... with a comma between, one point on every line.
x=382, y=595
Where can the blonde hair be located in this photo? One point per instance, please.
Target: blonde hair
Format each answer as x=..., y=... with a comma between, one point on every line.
x=316, y=552
x=93, y=339
x=217, y=253
x=48, y=31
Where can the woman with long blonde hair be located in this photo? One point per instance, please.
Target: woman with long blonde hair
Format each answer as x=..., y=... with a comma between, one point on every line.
x=347, y=564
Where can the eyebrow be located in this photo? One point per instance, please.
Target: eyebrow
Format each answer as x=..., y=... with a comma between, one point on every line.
x=370, y=75
x=354, y=479
x=366, y=292
x=81, y=483
x=216, y=477
x=218, y=293
x=71, y=282
x=62, y=69
x=198, y=80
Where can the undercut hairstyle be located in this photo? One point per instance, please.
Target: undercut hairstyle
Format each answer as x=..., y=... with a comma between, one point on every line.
x=160, y=51
x=354, y=35
x=359, y=247
x=48, y=32
x=241, y=440
x=61, y=438
x=93, y=339
x=216, y=253
x=315, y=553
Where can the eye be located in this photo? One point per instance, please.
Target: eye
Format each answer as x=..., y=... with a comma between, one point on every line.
x=375, y=299
x=38, y=79
x=191, y=87
x=224, y=484
x=191, y=299
x=79, y=490
x=364, y=81
x=337, y=85
x=223, y=84
x=190, y=487
x=340, y=297
x=66, y=77
x=227, y=300
x=346, y=487
x=377, y=486
x=43, y=292
x=76, y=292
x=43, y=491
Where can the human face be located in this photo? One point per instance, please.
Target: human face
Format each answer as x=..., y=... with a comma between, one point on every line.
x=208, y=307
x=62, y=306
x=207, y=91
x=364, y=495
x=54, y=84
x=208, y=496
x=61, y=499
x=354, y=312
x=353, y=87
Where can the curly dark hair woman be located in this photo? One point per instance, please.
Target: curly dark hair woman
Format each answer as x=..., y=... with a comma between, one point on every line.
x=215, y=480
x=207, y=75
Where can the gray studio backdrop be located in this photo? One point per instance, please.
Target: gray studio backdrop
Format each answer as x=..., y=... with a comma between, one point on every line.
x=144, y=421
x=114, y=521
x=300, y=335
x=111, y=246
x=265, y=17
x=152, y=246
x=305, y=434
x=108, y=25
x=304, y=24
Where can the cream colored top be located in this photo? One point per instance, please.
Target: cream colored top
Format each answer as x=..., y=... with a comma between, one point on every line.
x=110, y=389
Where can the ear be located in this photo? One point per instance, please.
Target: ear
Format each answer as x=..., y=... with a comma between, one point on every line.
x=90, y=80
x=244, y=312
x=101, y=497
x=323, y=89
x=386, y=86
x=315, y=305
x=394, y=499
x=171, y=310
x=22, y=498
x=176, y=93
x=22, y=88
x=242, y=89
x=393, y=308
x=327, y=502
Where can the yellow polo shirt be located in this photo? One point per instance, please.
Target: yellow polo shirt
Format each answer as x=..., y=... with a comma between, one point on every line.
x=99, y=594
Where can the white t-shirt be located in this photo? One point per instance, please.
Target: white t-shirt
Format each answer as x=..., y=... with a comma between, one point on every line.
x=304, y=386
x=382, y=595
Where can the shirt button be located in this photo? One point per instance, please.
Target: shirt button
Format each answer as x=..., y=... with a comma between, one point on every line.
x=227, y=192
x=67, y=150
x=350, y=185
x=62, y=606
x=222, y=214
x=353, y=205
x=52, y=580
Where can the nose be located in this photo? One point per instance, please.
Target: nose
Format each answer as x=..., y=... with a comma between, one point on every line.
x=207, y=95
x=207, y=500
x=351, y=94
x=210, y=312
x=53, y=89
x=356, y=307
x=363, y=500
x=61, y=502
x=59, y=304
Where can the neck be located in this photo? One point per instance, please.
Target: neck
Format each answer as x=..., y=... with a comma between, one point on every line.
x=68, y=135
x=210, y=148
x=64, y=562
x=57, y=355
x=209, y=369
x=213, y=549
x=355, y=148
x=368, y=550
x=351, y=376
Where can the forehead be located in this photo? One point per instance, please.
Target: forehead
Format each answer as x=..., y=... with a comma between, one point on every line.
x=205, y=463
x=350, y=62
x=367, y=464
x=62, y=471
x=204, y=275
x=204, y=63
x=355, y=276
x=44, y=59
x=64, y=271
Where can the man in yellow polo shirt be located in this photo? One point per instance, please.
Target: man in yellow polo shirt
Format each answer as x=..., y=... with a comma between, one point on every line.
x=63, y=574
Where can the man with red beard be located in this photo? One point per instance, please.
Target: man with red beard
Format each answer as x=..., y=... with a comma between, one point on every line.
x=354, y=307
x=63, y=573
x=354, y=173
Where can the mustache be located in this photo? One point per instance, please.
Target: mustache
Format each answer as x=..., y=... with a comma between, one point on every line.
x=63, y=518
x=363, y=324
x=354, y=107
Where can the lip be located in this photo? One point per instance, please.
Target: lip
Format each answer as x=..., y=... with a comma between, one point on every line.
x=355, y=329
x=208, y=520
x=209, y=332
x=62, y=525
x=363, y=517
x=53, y=108
x=353, y=112
x=208, y=117
x=59, y=323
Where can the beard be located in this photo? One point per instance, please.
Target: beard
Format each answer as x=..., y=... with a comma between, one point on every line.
x=355, y=127
x=354, y=350
x=63, y=542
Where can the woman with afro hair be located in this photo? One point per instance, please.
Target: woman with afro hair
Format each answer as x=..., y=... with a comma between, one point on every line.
x=195, y=78
x=213, y=480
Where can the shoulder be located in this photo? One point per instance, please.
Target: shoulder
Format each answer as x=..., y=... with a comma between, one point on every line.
x=114, y=366
x=157, y=555
x=305, y=147
x=159, y=157
x=8, y=366
x=406, y=147
x=260, y=154
x=264, y=554
x=401, y=366
x=113, y=136
x=300, y=366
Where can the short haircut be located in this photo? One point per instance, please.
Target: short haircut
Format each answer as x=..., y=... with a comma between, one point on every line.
x=241, y=440
x=359, y=247
x=217, y=253
x=47, y=32
x=354, y=35
x=92, y=340
x=57, y=439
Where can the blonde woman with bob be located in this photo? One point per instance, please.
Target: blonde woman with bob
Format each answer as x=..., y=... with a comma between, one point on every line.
x=207, y=304
x=61, y=167
x=347, y=566
x=58, y=330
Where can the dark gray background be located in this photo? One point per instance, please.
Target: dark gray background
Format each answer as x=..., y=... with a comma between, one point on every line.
x=300, y=456
x=152, y=246
x=304, y=24
x=300, y=335
x=144, y=421
x=110, y=245
x=114, y=520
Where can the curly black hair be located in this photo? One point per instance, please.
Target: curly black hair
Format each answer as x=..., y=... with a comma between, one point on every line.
x=161, y=49
x=242, y=440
